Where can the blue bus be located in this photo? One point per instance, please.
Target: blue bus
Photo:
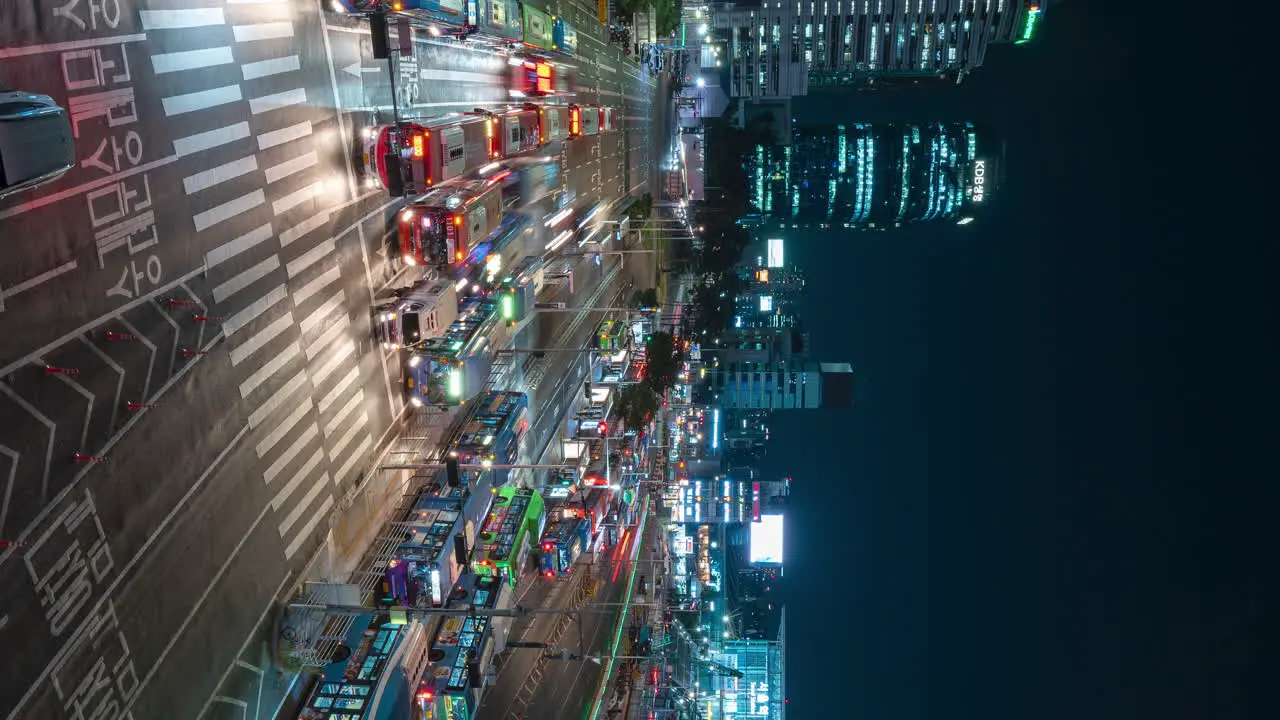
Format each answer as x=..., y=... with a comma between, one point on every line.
x=452, y=680
x=376, y=681
x=562, y=542
x=493, y=430
x=448, y=369
x=424, y=565
x=564, y=39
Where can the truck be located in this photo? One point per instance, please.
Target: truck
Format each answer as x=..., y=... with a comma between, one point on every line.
x=421, y=311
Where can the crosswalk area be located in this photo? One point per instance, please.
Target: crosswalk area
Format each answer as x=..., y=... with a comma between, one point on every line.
x=258, y=122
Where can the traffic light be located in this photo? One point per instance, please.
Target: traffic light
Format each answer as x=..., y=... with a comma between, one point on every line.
x=452, y=473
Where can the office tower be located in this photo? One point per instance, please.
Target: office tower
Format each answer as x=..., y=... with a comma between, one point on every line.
x=782, y=385
x=874, y=176
x=781, y=49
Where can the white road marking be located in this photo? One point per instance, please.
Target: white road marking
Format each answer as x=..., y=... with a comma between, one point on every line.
x=310, y=258
x=328, y=336
x=210, y=139
x=296, y=198
x=275, y=101
x=265, y=68
x=292, y=485
x=328, y=277
x=228, y=210
x=284, y=427
x=233, y=324
x=333, y=303
x=315, y=222
x=262, y=31
x=48, y=453
x=284, y=135
x=305, y=532
x=201, y=100
x=305, y=501
x=336, y=449
x=208, y=178
x=190, y=59
x=263, y=411
x=338, y=389
x=4, y=503
x=254, y=381
x=6, y=53
x=174, y=19
x=83, y=392
x=226, y=251
x=25, y=285
x=356, y=454
x=261, y=338
x=51, y=198
x=341, y=417
x=434, y=75
x=341, y=351
x=311, y=433
x=292, y=166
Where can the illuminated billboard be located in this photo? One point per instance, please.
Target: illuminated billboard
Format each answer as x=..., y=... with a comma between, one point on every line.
x=766, y=540
x=775, y=252
x=766, y=303
x=979, y=180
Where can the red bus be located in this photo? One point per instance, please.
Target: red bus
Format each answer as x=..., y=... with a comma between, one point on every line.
x=553, y=123
x=585, y=120
x=513, y=131
x=427, y=153
x=532, y=78
x=442, y=227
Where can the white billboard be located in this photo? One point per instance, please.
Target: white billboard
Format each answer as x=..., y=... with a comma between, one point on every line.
x=766, y=303
x=775, y=252
x=766, y=540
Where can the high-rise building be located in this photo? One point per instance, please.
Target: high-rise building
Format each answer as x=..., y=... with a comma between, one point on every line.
x=874, y=176
x=783, y=385
x=781, y=49
x=760, y=693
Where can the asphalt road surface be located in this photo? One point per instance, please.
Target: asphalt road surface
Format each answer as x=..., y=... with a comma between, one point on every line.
x=188, y=382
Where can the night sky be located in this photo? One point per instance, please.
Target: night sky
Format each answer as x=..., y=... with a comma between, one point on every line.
x=1040, y=506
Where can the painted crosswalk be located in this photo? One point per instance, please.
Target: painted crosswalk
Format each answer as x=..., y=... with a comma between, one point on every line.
x=241, y=87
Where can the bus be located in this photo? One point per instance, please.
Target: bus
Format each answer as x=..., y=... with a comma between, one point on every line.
x=495, y=22
x=413, y=157
x=562, y=542
x=422, y=310
x=512, y=131
x=452, y=681
x=553, y=123
x=494, y=431
x=532, y=78
x=424, y=564
x=380, y=678
x=564, y=39
x=514, y=524
x=611, y=335
x=448, y=369
x=538, y=30
x=444, y=226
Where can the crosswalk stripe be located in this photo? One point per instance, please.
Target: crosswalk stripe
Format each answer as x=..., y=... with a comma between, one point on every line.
x=311, y=433
x=305, y=532
x=262, y=31
x=244, y=279
x=320, y=483
x=330, y=334
x=193, y=184
x=266, y=68
x=310, y=257
x=355, y=456
x=275, y=101
x=173, y=19
x=233, y=324
x=346, y=410
x=200, y=100
x=297, y=197
x=226, y=251
x=228, y=210
x=292, y=166
x=339, y=389
x=315, y=222
x=273, y=366
x=325, y=279
x=261, y=338
x=285, y=492
x=341, y=351
x=316, y=317
x=335, y=450
x=273, y=138
x=185, y=146
x=284, y=428
x=190, y=59
x=263, y=411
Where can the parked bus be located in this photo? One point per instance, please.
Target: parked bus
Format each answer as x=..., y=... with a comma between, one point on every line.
x=562, y=542
x=414, y=157
x=444, y=226
x=448, y=369
x=514, y=524
x=538, y=30
x=493, y=431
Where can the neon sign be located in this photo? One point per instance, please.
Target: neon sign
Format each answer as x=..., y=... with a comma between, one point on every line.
x=979, y=180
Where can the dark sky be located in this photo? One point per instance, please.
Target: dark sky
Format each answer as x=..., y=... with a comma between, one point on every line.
x=1040, y=506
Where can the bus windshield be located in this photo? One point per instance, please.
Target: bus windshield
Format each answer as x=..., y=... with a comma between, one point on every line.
x=423, y=236
x=444, y=381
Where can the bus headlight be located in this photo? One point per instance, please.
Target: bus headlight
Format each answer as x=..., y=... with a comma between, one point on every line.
x=415, y=361
x=414, y=401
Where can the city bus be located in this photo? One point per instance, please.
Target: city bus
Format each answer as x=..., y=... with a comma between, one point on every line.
x=514, y=524
x=532, y=78
x=452, y=681
x=585, y=120
x=448, y=369
x=564, y=39
x=494, y=431
x=538, y=30
x=424, y=564
x=611, y=335
x=553, y=123
x=379, y=681
x=444, y=226
x=413, y=157
x=512, y=131
x=562, y=542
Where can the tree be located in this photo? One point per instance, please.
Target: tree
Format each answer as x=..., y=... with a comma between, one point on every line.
x=642, y=208
x=636, y=404
x=664, y=362
x=647, y=298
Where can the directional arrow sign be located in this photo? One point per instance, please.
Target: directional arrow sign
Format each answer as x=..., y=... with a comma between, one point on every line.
x=355, y=69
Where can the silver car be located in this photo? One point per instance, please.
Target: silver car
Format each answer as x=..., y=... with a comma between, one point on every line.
x=35, y=141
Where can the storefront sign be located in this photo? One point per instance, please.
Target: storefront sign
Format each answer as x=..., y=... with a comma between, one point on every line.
x=979, y=180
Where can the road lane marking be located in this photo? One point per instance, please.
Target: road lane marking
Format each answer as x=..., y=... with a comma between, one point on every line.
x=226, y=251
x=275, y=101
x=333, y=303
x=261, y=338
x=262, y=31
x=185, y=146
x=338, y=389
x=6, y=53
x=82, y=392
x=305, y=501
x=341, y=417
x=201, y=100
x=48, y=453
x=311, y=433
x=356, y=454
x=259, y=306
x=311, y=257
x=336, y=449
x=460, y=76
x=265, y=68
x=341, y=351
x=297, y=197
x=312, y=223
x=322, y=281
x=292, y=166
x=279, y=500
x=254, y=381
x=327, y=337
x=25, y=285
x=264, y=410
x=228, y=210
x=193, y=184
x=284, y=135
x=175, y=19
x=302, y=535
x=86, y=187
x=190, y=59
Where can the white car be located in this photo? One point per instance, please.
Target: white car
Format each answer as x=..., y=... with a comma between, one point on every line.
x=36, y=144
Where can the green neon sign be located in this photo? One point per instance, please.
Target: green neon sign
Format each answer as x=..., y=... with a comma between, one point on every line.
x=1033, y=16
